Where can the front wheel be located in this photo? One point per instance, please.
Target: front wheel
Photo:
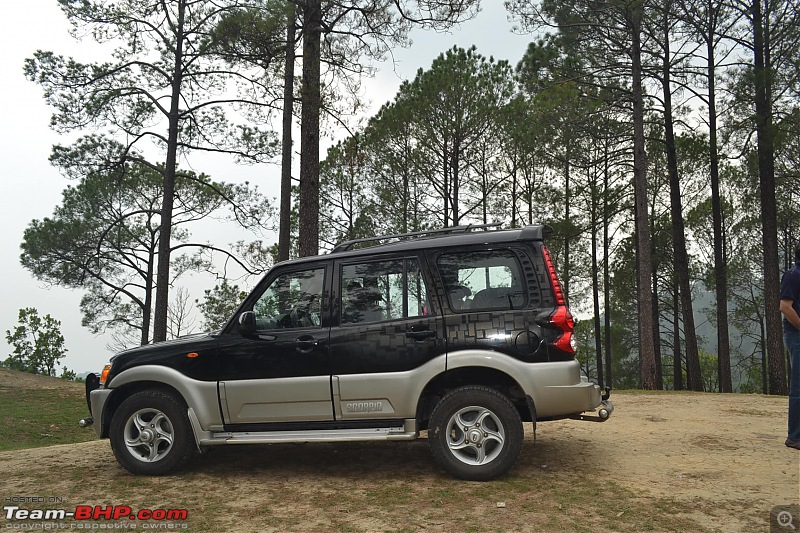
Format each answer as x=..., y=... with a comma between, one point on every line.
x=150, y=433
x=475, y=433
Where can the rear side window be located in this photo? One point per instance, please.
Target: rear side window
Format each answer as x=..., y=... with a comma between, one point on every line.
x=483, y=280
x=383, y=290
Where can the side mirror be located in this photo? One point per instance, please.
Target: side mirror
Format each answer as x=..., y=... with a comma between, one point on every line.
x=247, y=323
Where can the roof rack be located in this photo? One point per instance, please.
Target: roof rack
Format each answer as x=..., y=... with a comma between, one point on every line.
x=345, y=246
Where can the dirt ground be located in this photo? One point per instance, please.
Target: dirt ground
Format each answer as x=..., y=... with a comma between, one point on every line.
x=663, y=462
x=723, y=455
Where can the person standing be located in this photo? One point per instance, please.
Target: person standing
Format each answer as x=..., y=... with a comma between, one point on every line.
x=790, y=307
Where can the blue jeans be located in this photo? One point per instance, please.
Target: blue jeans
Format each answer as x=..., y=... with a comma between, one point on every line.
x=792, y=342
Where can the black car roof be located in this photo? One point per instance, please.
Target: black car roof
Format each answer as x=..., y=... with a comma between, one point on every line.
x=457, y=238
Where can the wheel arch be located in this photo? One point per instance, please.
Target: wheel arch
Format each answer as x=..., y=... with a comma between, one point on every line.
x=485, y=376
x=201, y=396
x=127, y=390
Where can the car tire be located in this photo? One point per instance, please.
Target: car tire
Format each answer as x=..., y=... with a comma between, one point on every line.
x=475, y=433
x=150, y=433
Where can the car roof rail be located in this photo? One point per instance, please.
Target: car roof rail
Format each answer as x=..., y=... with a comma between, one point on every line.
x=536, y=232
x=347, y=245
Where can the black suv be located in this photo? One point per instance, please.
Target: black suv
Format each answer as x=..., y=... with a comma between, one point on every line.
x=463, y=332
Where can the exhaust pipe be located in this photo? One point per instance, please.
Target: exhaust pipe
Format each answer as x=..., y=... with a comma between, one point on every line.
x=85, y=422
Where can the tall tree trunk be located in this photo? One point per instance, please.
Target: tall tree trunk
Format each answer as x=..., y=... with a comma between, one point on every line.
x=454, y=171
x=762, y=348
x=677, y=368
x=598, y=345
x=514, y=189
x=769, y=224
x=485, y=200
x=647, y=356
x=446, y=181
x=606, y=268
x=147, y=309
x=681, y=260
x=565, y=280
x=309, y=130
x=720, y=261
x=284, y=231
x=657, y=331
x=165, y=231
x=529, y=174
x=407, y=200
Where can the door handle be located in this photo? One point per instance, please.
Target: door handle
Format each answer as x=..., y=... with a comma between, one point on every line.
x=420, y=334
x=305, y=344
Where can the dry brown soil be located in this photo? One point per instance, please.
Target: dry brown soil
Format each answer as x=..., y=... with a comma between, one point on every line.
x=663, y=462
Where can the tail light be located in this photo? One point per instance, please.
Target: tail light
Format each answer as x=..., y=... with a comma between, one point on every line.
x=561, y=317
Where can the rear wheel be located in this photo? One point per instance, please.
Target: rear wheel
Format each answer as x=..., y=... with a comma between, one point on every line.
x=475, y=433
x=150, y=433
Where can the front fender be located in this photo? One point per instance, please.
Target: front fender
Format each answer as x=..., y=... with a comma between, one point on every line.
x=201, y=396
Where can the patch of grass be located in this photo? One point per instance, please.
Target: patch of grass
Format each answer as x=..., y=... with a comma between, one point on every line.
x=31, y=417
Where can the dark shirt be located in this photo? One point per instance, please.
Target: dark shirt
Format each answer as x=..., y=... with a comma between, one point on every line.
x=790, y=290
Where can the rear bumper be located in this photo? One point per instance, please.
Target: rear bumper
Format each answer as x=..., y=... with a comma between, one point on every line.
x=560, y=390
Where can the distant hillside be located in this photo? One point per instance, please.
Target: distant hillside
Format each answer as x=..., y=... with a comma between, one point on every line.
x=707, y=331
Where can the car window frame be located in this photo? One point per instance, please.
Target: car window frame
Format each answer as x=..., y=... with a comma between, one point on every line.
x=338, y=295
x=513, y=251
x=255, y=294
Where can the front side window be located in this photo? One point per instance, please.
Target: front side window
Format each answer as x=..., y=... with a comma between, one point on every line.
x=383, y=290
x=482, y=280
x=292, y=300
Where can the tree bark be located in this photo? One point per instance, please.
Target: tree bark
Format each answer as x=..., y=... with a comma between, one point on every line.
x=643, y=239
x=284, y=231
x=598, y=345
x=455, y=164
x=309, y=130
x=769, y=223
x=566, y=276
x=165, y=232
x=147, y=308
x=677, y=368
x=607, y=269
x=657, y=331
x=720, y=261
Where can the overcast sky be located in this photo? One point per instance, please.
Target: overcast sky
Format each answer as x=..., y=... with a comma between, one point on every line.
x=33, y=188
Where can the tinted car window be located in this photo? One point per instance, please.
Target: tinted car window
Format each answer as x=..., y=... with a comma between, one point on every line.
x=485, y=280
x=292, y=300
x=383, y=290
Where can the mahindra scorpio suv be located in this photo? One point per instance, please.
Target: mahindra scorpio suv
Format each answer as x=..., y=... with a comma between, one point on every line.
x=463, y=332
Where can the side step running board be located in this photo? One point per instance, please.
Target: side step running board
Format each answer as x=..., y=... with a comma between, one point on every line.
x=207, y=438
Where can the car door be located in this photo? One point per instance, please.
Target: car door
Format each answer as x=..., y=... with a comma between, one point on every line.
x=384, y=329
x=280, y=372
